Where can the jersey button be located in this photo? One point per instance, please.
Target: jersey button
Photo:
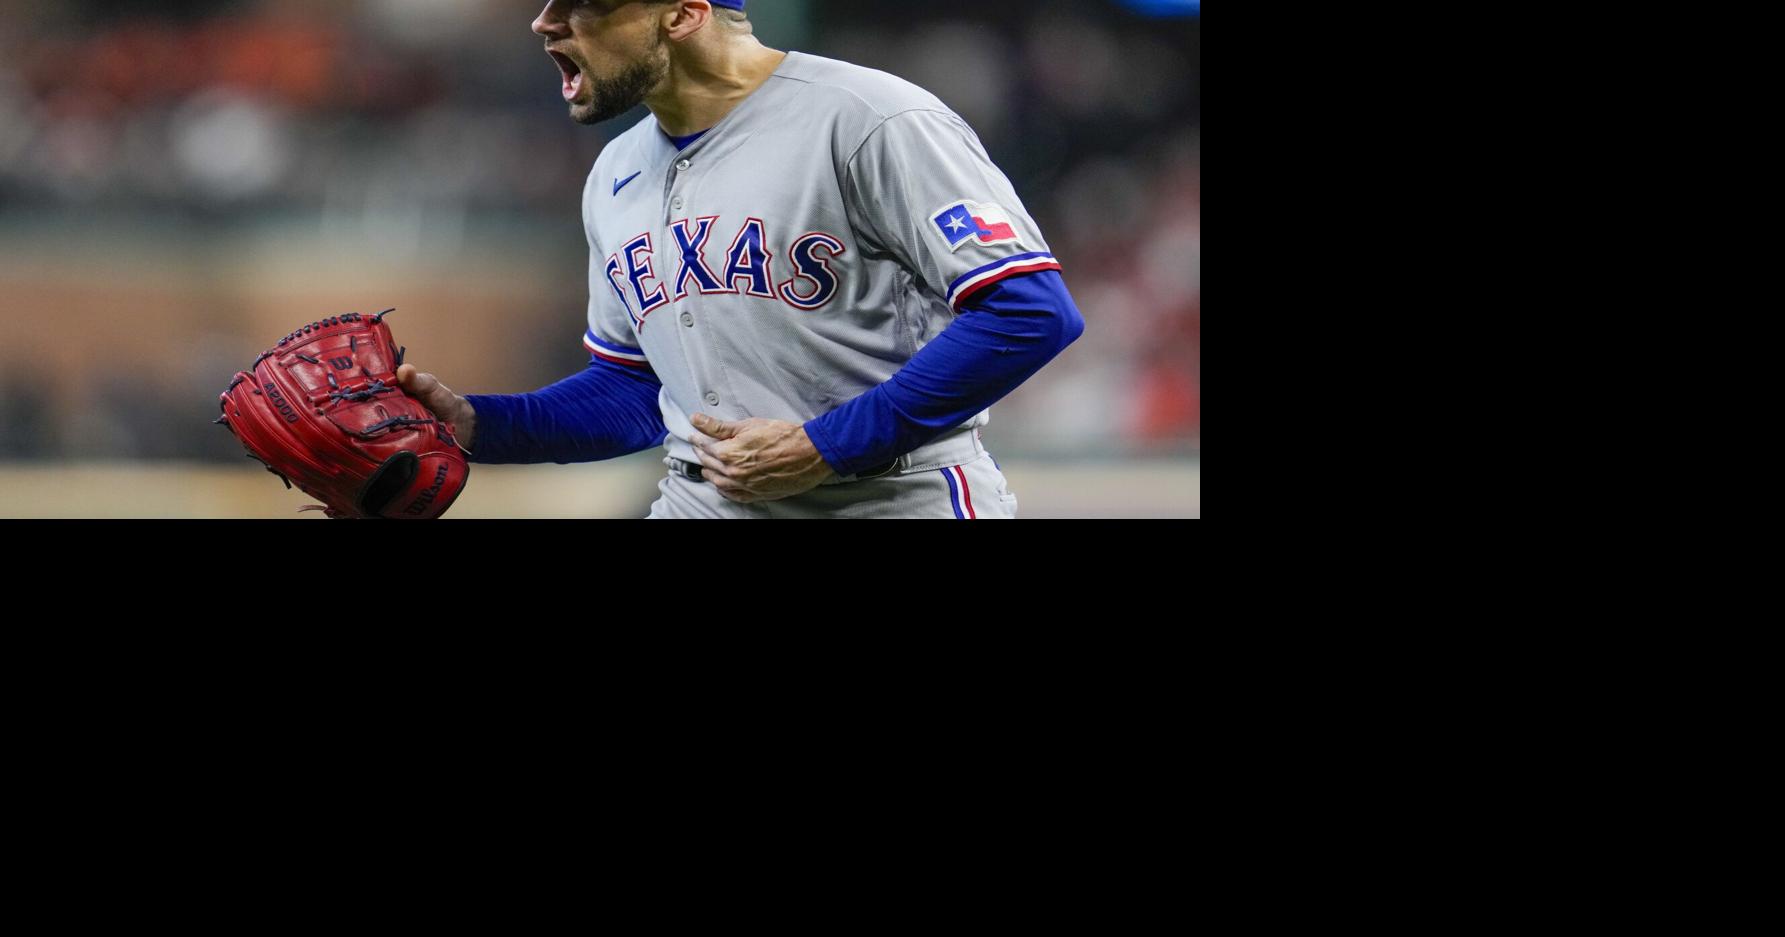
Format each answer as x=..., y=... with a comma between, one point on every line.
x=677, y=204
x=683, y=166
x=688, y=319
x=712, y=399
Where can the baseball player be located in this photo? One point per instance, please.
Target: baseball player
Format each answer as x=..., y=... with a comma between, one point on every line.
x=806, y=277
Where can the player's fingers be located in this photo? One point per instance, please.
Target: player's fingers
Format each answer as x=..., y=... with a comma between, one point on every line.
x=717, y=427
x=712, y=466
x=737, y=495
x=718, y=449
x=428, y=389
x=728, y=489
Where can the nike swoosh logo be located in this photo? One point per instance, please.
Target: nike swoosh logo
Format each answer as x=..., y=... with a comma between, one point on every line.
x=618, y=184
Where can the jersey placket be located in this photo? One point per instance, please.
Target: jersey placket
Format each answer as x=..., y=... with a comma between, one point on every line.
x=679, y=187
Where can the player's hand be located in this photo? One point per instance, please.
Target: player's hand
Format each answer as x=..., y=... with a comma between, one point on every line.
x=756, y=459
x=448, y=406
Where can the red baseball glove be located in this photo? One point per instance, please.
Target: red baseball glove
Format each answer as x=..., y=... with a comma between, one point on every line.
x=323, y=411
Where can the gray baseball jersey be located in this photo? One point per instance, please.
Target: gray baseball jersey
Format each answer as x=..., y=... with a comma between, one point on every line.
x=795, y=257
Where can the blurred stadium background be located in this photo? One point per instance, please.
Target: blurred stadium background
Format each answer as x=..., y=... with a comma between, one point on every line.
x=183, y=182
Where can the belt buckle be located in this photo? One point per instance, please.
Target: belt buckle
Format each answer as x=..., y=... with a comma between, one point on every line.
x=685, y=469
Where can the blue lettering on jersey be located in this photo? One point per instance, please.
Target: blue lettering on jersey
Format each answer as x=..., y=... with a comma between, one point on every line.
x=694, y=262
x=808, y=266
x=616, y=279
x=815, y=281
x=638, y=273
x=749, y=259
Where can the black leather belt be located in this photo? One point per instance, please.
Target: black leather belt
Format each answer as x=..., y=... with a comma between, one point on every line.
x=691, y=471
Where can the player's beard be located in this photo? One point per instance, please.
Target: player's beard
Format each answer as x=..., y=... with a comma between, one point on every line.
x=625, y=91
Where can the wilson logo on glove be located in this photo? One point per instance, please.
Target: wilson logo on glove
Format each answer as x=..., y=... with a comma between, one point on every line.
x=363, y=448
x=427, y=497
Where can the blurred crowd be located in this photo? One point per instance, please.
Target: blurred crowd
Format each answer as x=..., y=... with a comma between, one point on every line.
x=244, y=107
x=228, y=112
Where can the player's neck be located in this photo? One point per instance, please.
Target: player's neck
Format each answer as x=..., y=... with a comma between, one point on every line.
x=706, y=82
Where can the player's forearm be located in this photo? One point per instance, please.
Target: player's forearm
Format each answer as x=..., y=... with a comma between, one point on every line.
x=602, y=412
x=1000, y=339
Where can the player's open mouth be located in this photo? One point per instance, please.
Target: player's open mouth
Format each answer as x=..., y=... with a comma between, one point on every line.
x=573, y=76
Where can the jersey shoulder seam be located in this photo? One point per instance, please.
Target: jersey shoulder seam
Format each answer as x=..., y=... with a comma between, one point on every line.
x=877, y=112
x=864, y=102
x=849, y=164
x=824, y=81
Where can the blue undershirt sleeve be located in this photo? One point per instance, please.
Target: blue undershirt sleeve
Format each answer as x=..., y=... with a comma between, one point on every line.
x=605, y=411
x=1003, y=335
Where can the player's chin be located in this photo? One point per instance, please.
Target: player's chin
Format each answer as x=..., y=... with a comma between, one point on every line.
x=589, y=108
x=594, y=113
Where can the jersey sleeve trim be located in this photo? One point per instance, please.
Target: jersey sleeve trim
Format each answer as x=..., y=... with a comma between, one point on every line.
x=618, y=354
x=975, y=280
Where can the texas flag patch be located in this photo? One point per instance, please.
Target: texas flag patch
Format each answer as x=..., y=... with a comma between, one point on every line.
x=972, y=222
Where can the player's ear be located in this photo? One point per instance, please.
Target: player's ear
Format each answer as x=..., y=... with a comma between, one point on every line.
x=685, y=18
